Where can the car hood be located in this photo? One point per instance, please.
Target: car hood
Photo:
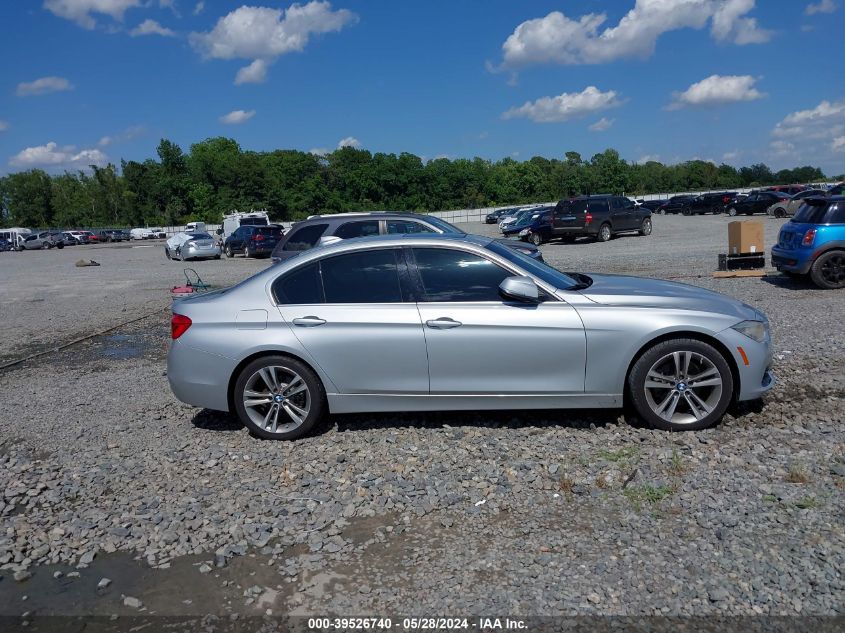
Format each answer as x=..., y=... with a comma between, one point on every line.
x=620, y=290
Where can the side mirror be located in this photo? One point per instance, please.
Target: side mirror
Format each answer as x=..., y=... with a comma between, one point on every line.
x=520, y=288
x=219, y=231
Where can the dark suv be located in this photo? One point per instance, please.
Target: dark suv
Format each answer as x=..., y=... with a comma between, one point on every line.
x=252, y=240
x=306, y=234
x=600, y=217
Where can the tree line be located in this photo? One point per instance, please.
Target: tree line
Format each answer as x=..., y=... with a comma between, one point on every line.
x=216, y=176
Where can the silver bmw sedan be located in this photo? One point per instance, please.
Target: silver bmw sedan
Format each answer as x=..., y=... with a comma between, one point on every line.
x=429, y=322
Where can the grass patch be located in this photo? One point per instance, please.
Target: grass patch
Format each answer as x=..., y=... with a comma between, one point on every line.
x=770, y=498
x=807, y=503
x=565, y=485
x=677, y=467
x=617, y=456
x=638, y=495
x=798, y=474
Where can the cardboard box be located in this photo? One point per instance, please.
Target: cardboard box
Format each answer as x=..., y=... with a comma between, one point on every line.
x=745, y=237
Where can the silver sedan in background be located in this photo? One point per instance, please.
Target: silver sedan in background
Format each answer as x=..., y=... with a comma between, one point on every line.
x=187, y=246
x=430, y=322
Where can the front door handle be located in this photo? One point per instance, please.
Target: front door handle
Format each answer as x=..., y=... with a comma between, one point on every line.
x=309, y=321
x=443, y=323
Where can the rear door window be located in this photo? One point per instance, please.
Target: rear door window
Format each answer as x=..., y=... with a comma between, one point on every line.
x=362, y=277
x=598, y=206
x=357, y=229
x=305, y=237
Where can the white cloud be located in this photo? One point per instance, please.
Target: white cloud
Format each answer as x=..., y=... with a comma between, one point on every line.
x=729, y=25
x=349, y=141
x=601, y=125
x=254, y=73
x=823, y=121
x=4, y=125
x=566, y=106
x=80, y=11
x=51, y=155
x=43, y=86
x=648, y=158
x=730, y=156
x=126, y=135
x=319, y=151
x=237, y=116
x=151, y=27
x=781, y=148
x=262, y=33
x=825, y=6
x=717, y=90
x=199, y=8
x=838, y=144
x=556, y=38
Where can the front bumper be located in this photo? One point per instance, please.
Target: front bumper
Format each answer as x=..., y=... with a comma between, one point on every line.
x=753, y=361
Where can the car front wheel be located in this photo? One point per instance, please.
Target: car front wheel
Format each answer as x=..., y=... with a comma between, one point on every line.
x=681, y=385
x=536, y=239
x=279, y=398
x=645, y=229
x=828, y=271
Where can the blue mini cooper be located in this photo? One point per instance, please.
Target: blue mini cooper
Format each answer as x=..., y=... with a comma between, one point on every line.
x=813, y=242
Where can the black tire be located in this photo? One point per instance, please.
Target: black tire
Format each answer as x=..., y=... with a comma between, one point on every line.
x=732, y=212
x=780, y=213
x=645, y=228
x=46, y=246
x=662, y=211
x=828, y=271
x=686, y=212
x=312, y=381
x=247, y=253
x=228, y=251
x=217, y=257
x=167, y=252
x=535, y=238
x=604, y=233
x=637, y=378
x=60, y=245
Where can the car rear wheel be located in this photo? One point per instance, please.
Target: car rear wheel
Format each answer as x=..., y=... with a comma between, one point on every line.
x=167, y=252
x=645, y=229
x=279, y=398
x=732, y=212
x=828, y=271
x=680, y=385
x=228, y=251
x=604, y=233
x=780, y=213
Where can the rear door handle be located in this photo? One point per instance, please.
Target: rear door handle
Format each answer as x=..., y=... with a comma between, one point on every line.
x=443, y=323
x=309, y=321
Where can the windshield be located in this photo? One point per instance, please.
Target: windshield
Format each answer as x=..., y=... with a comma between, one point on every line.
x=200, y=236
x=543, y=271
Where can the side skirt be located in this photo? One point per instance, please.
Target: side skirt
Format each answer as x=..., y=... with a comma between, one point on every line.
x=372, y=403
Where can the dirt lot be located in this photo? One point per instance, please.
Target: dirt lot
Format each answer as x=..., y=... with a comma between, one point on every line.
x=104, y=475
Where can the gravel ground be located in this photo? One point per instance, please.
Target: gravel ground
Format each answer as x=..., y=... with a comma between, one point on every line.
x=106, y=476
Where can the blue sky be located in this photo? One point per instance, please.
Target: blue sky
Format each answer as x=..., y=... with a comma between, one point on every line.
x=723, y=80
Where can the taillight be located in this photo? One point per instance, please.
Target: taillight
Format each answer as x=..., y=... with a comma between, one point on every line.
x=258, y=238
x=179, y=324
x=588, y=218
x=809, y=237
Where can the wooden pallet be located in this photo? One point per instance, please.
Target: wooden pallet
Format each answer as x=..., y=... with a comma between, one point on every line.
x=727, y=274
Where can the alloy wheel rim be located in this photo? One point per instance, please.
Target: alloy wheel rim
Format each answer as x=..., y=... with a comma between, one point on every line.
x=276, y=399
x=605, y=233
x=683, y=387
x=833, y=270
x=647, y=227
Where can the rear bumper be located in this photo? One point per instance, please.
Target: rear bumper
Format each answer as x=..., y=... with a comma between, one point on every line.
x=791, y=261
x=199, y=378
x=197, y=253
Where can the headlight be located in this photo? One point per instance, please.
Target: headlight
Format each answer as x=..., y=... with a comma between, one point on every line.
x=524, y=232
x=757, y=330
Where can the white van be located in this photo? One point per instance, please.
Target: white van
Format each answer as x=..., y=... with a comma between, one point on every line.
x=233, y=221
x=16, y=235
x=195, y=227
